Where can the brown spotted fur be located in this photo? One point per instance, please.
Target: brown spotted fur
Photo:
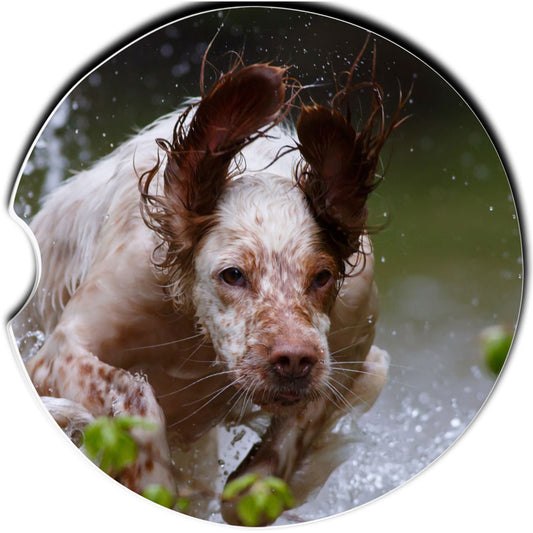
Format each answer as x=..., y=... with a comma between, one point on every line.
x=137, y=316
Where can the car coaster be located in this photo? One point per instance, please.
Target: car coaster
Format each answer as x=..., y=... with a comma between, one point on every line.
x=280, y=265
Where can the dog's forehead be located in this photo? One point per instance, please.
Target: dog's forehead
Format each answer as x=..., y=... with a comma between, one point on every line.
x=268, y=204
x=263, y=209
x=266, y=191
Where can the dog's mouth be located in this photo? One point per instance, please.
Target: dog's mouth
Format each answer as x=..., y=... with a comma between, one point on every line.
x=282, y=397
x=276, y=403
x=289, y=397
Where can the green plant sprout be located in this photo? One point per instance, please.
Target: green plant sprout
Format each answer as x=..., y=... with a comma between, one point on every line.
x=108, y=442
x=259, y=500
x=495, y=344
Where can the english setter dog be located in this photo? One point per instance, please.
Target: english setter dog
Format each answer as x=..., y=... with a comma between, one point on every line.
x=218, y=260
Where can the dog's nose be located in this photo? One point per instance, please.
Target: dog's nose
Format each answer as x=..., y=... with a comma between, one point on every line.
x=292, y=360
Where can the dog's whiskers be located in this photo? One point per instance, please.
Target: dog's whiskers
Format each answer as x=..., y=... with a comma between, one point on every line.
x=340, y=350
x=190, y=415
x=336, y=397
x=339, y=369
x=365, y=362
x=340, y=330
x=235, y=398
x=202, y=343
x=162, y=344
x=247, y=399
x=350, y=391
x=203, y=378
x=212, y=393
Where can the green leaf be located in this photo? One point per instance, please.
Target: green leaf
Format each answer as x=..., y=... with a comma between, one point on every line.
x=273, y=507
x=127, y=422
x=281, y=489
x=238, y=485
x=108, y=445
x=260, y=500
x=248, y=511
x=495, y=344
x=159, y=494
x=182, y=504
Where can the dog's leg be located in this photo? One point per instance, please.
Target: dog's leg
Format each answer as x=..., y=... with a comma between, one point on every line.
x=77, y=360
x=289, y=438
x=64, y=369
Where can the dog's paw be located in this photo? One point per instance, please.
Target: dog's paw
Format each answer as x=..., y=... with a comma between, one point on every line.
x=71, y=417
x=251, y=500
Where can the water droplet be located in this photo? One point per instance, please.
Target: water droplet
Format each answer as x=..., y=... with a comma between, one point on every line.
x=167, y=50
x=455, y=422
x=423, y=398
x=95, y=79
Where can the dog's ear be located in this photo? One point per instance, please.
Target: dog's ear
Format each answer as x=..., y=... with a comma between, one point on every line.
x=238, y=106
x=338, y=170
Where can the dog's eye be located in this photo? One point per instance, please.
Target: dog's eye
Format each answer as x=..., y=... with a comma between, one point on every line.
x=232, y=276
x=322, y=278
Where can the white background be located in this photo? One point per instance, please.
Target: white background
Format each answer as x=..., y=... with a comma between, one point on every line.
x=482, y=484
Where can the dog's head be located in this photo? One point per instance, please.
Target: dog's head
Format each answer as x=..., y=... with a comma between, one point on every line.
x=265, y=281
x=259, y=259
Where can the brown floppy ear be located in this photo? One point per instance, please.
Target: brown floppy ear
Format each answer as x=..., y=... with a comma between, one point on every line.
x=240, y=106
x=241, y=103
x=338, y=170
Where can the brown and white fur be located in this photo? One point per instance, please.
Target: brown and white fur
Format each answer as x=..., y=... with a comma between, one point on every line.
x=226, y=276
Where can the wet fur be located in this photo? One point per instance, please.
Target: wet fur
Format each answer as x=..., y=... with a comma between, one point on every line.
x=136, y=315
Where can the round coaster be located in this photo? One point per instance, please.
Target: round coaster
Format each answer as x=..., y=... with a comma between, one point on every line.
x=206, y=325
